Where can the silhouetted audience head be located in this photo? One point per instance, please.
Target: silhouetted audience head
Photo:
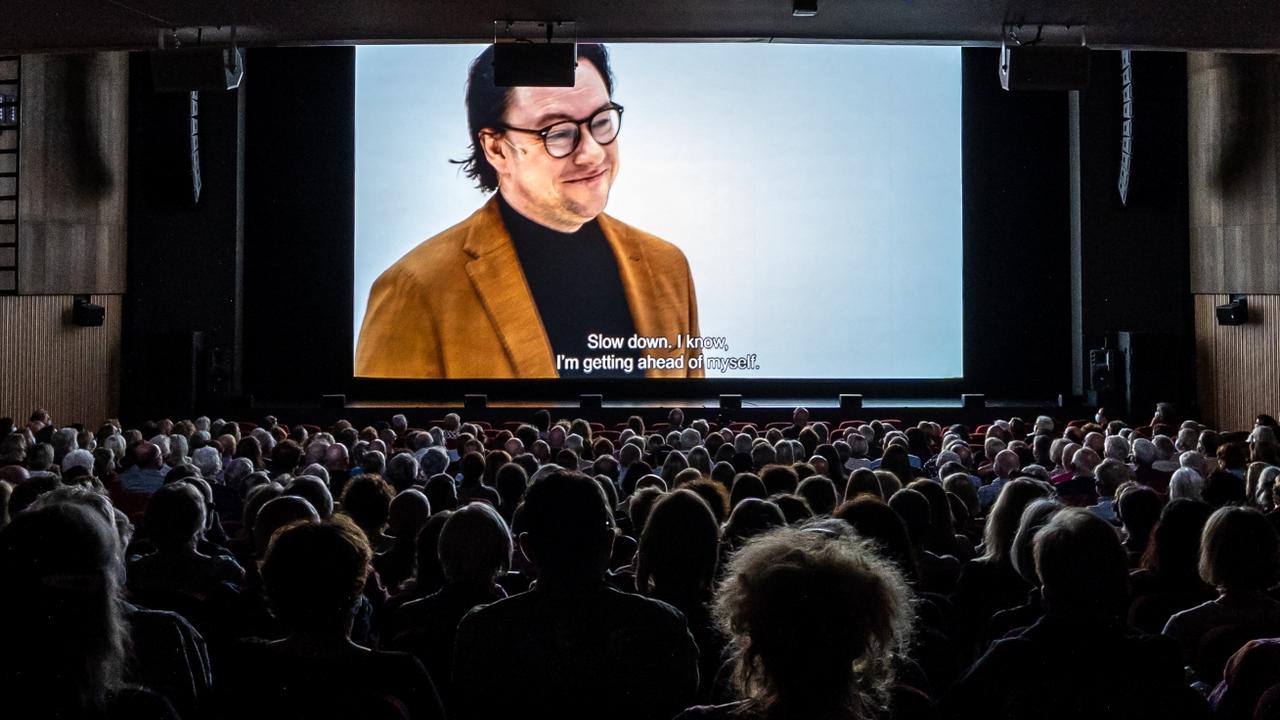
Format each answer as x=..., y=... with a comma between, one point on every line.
x=714, y=495
x=1002, y=523
x=279, y=512
x=367, y=501
x=1138, y=509
x=1174, y=550
x=64, y=651
x=428, y=572
x=566, y=530
x=314, y=575
x=175, y=517
x=441, y=492
x=313, y=490
x=816, y=620
x=679, y=548
x=819, y=493
x=408, y=513
x=475, y=545
x=1082, y=566
x=874, y=520
x=749, y=518
x=779, y=479
x=1223, y=488
x=793, y=508
x=1022, y=552
x=1238, y=551
x=746, y=485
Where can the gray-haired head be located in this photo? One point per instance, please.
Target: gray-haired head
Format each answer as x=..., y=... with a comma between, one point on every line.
x=402, y=470
x=208, y=461
x=236, y=471
x=1144, y=452
x=433, y=461
x=1116, y=448
x=1186, y=483
x=689, y=439
x=78, y=458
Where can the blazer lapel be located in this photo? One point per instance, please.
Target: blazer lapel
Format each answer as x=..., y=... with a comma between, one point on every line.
x=644, y=296
x=494, y=270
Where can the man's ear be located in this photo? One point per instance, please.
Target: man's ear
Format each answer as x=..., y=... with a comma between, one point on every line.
x=494, y=149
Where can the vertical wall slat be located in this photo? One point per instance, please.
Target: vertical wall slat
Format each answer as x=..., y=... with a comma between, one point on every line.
x=45, y=361
x=1238, y=366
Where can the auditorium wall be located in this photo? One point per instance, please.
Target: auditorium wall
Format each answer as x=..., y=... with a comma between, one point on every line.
x=1234, y=176
x=70, y=240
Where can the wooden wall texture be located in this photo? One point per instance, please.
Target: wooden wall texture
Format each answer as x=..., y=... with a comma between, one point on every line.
x=73, y=172
x=1233, y=133
x=71, y=238
x=71, y=371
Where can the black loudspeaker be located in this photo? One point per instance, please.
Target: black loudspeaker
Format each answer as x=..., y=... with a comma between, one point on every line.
x=973, y=401
x=475, y=402
x=1044, y=68
x=730, y=402
x=1153, y=372
x=333, y=402
x=86, y=314
x=849, y=403
x=1235, y=312
x=591, y=402
x=534, y=64
x=198, y=68
x=1106, y=377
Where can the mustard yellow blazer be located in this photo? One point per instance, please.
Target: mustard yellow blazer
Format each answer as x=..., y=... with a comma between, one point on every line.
x=458, y=305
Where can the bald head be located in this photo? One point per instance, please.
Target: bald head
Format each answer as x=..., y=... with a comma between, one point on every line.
x=1085, y=461
x=1006, y=463
x=335, y=457
x=147, y=455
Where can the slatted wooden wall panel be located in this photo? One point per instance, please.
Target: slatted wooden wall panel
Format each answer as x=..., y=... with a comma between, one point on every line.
x=1238, y=367
x=45, y=361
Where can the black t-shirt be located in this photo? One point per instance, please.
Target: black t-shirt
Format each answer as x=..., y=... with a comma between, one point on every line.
x=577, y=289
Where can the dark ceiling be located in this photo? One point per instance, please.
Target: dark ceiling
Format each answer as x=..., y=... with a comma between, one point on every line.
x=51, y=25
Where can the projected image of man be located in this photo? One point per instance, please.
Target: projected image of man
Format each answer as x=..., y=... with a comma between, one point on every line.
x=514, y=290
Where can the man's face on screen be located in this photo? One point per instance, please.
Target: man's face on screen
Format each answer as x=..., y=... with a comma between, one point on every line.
x=560, y=193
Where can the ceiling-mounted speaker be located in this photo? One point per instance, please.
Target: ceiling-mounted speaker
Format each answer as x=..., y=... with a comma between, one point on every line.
x=534, y=64
x=1036, y=67
x=197, y=68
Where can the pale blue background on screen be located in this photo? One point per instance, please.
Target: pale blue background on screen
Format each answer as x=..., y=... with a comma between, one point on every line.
x=815, y=189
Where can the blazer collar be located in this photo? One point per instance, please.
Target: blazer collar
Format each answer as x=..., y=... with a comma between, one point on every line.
x=494, y=270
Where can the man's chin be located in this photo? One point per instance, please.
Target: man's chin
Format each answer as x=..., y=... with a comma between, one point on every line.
x=586, y=209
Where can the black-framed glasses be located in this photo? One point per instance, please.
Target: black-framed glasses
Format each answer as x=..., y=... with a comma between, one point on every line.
x=562, y=138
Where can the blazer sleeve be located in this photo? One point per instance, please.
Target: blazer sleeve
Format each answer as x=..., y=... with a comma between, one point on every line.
x=398, y=338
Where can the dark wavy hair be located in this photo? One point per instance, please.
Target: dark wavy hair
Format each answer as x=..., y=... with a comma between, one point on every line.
x=487, y=103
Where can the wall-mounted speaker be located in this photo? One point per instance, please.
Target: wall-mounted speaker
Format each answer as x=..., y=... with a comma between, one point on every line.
x=1235, y=312
x=87, y=314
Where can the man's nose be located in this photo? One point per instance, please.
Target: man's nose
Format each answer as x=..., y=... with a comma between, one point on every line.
x=589, y=151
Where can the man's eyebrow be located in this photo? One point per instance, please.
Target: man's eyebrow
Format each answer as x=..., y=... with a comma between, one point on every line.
x=551, y=118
